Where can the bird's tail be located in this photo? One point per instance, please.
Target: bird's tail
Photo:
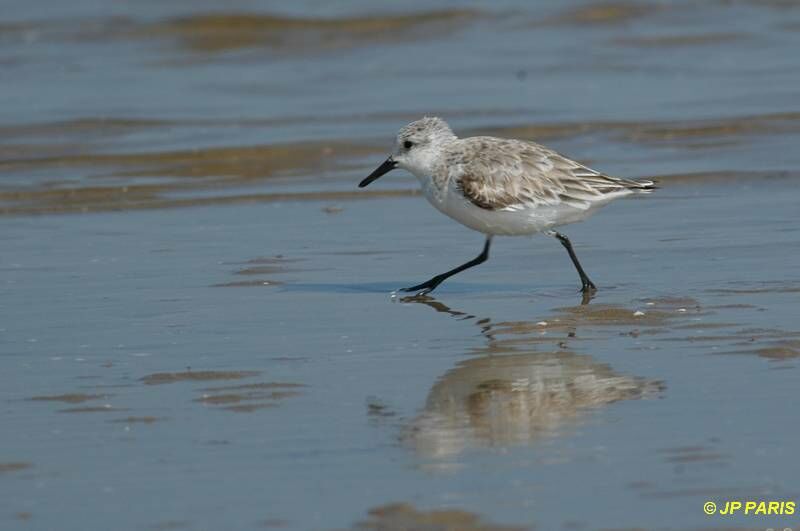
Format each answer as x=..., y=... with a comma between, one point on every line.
x=644, y=186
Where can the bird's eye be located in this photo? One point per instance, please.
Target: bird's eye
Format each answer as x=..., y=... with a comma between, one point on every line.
x=408, y=144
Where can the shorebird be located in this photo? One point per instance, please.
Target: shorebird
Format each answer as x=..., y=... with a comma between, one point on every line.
x=501, y=187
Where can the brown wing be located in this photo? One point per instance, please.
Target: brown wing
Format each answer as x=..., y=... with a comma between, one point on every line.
x=498, y=174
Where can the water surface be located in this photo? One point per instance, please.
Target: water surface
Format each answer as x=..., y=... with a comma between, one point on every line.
x=198, y=329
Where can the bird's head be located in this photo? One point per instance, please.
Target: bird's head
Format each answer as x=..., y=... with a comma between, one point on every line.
x=417, y=148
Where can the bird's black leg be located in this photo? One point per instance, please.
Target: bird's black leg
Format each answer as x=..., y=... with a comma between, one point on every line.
x=587, y=285
x=430, y=285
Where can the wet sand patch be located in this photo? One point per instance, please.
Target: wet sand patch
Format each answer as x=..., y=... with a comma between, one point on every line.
x=672, y=41
x=235, y=398
x=277, y=259
x=566, y=321
x=244, y=163
x=778, y=353
x=608, y=315
x=142, y=180
x=768, y=343
x=776, y=4
x=202, y=35
x=678, y=133
x=692, y=454
x=715, y=129
x=705, y=326
x=604, y=13
x=94, y=409
x=264, y=265
x=247, y=398
x=780, y=350
x=110, y=199
x=170, y=524
x=89, y=179
x=734, y=306
x=261, y=270
x=256, y=386
x=695, y=457
x=249, y=408
x=571, y=317
x=79, y=130
x=225, y=398
x=248, y=283
x=651, y=316
x=137, y=420
x=160, y=378
x=14, y=467
x=673, y=302
x=69, y=398
x=79, y=398
x=757, y=288
x=404, y=516
x=213, y=33
x=364, y=252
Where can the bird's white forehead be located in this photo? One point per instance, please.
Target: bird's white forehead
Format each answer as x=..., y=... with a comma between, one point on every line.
x=425, y=126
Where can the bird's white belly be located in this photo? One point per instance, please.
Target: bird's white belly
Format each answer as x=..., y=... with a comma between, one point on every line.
x=521, y=222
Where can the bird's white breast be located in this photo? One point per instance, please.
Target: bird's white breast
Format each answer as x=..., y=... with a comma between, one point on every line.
x=516, y=221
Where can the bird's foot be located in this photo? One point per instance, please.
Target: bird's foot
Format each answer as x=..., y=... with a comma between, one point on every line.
x=416, y=293
x=420, y=290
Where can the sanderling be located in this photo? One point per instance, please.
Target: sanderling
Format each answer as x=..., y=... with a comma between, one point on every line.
x=500, y=186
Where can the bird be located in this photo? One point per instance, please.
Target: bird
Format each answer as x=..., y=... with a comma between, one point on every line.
x=501, y=187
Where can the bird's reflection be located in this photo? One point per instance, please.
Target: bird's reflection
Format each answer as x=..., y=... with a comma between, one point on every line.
x=515, y=392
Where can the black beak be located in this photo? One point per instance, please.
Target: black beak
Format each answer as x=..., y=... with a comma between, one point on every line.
x=387, y=166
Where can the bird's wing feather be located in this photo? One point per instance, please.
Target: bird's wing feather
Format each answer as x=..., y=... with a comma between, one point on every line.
x=499, y=174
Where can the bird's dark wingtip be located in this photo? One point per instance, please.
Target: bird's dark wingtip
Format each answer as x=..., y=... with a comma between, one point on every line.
x=647, y=186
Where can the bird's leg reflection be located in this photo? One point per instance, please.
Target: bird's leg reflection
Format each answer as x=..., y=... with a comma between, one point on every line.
x=487, y=327
x=587, y=296
x=437, y=305
x=485, y=324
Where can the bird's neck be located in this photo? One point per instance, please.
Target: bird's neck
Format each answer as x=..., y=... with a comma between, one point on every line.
x=431, y=169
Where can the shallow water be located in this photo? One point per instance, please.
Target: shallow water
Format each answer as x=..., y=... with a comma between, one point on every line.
x=199, y=331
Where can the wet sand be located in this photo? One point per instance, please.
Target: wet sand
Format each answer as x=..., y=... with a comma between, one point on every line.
x=502, y=391
x=200, y=332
